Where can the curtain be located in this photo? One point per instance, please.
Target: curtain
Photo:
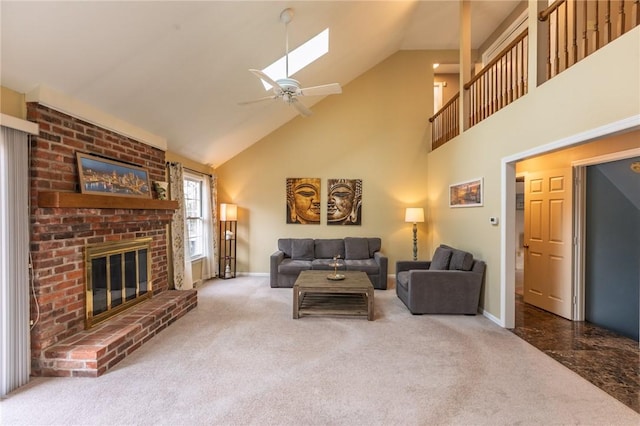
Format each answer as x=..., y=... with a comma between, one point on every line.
x=14, y=260
x=182, y=277
x=209, y=195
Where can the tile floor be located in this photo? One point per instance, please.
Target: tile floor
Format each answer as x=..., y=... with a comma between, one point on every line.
x=607, y=360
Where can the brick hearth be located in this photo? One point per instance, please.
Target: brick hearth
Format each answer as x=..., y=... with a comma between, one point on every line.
x=91, y=353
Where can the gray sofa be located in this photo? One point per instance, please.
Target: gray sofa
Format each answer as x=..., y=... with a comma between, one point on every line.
x=299, y=254
x=450, y=283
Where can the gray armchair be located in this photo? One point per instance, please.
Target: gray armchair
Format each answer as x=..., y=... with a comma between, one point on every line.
x=448, y=284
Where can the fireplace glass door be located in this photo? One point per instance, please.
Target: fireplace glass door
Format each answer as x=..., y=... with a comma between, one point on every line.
x=118, y=276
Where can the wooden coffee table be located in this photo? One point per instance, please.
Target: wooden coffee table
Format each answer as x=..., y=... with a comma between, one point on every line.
x=314, y=294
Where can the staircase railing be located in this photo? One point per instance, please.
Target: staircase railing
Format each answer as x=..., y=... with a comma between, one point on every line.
x=577, y=28
x=500, y=82
x=445, y=123
x=504, y=79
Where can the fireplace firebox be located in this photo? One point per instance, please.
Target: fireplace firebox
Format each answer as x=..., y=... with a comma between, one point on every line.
x=118, y=277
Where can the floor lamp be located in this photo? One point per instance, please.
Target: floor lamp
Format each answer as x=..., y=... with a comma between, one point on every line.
x=414, y=215
x=227, y=234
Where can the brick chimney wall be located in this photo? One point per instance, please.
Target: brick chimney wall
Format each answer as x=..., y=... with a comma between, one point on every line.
x=59, y=235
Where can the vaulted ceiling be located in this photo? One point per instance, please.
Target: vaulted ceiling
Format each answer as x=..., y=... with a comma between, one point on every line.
x=179, y=69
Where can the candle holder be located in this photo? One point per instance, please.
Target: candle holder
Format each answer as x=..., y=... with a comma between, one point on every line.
x=336, y=263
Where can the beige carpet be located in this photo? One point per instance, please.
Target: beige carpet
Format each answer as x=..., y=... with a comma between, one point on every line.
x=239, y=359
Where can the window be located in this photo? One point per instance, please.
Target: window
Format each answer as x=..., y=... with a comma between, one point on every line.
x=299, y=58
x=195, y=219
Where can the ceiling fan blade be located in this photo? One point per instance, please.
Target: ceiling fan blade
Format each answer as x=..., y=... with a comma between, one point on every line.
x=266, y=78
x=303, y=110
x=266, y=98
x=326, y=89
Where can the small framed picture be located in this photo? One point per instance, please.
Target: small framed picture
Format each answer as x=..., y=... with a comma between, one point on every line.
x=466, y=194
x=108, y=177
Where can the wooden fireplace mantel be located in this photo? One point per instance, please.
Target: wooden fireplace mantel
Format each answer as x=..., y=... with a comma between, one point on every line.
x=95, y=201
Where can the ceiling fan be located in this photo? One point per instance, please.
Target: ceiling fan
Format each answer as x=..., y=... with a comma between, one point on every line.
x=287, y=89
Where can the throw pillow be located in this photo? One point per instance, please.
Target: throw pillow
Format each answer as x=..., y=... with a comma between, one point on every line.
x=302, y=249
x=460, y=260
x=356, y=248
x=441, y=258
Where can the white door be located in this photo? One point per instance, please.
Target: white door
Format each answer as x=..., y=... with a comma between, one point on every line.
x=548, y=241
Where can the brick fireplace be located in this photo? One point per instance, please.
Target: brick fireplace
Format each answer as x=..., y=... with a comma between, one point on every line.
x=63, y=223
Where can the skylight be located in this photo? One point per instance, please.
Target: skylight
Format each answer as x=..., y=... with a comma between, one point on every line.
x=299, y=58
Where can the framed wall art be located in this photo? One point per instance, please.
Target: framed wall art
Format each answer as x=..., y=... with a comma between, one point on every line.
x=109, y=177
x=303, y=201
x=466, y=194
x=344, y=202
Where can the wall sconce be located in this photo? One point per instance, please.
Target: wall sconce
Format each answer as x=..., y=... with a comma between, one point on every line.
x=228, y=212
x=414, y=215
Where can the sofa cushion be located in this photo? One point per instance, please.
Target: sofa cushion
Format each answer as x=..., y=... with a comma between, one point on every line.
x=356, y=248
x=460, y=260
x=284, y=245
x=327, y=248
x=324, y=265
x=375, y=244
x=402, y=279
x=302, y=249
x=441, y=259
x=365, y=265
x=293, y=267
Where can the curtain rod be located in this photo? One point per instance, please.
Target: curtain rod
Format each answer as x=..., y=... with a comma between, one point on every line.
x=173, y=163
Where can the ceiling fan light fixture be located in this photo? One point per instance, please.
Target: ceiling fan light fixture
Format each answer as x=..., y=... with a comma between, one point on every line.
x=288, y=89
x=288, y=84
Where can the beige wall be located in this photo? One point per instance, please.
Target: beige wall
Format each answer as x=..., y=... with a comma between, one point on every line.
x=575, y=101
x=452, y=85
x=376, y=130
x=12, y=103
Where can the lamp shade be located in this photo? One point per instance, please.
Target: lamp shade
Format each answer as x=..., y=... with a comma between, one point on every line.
x=414, y=215
x=228, y=212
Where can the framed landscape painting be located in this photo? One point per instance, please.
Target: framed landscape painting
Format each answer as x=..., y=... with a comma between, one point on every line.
x=466, y=194
x=108, y=177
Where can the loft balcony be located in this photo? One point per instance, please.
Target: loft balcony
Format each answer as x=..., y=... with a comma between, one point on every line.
x=568, y=32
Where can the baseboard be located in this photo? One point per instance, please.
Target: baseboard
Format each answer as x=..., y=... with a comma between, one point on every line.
x=492, y=317
x=252, y=274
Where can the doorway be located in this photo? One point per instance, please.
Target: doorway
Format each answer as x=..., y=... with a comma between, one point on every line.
x=614, y=137
x=610, y=260
x=590, y=285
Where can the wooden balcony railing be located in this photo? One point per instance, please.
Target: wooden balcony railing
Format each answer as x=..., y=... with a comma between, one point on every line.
x=504, y=79
x=500, y=82
x=577, y=28
x=444, y=124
